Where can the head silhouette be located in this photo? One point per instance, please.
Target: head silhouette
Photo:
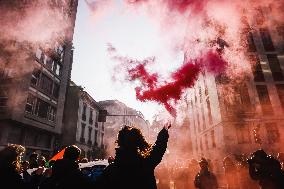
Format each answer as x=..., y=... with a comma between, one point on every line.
x=203, y=163
x=10, y=156
x=132, y=139
x=72, y=153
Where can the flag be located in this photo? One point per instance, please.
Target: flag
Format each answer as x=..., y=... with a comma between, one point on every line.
x=57, y=156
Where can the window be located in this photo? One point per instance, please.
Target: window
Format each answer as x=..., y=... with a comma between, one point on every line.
x=30, y=104
x=82, y=138
x=203, y=117
x=266, y=39
x=251, y=44
x=58, y=48
x=280, y=30
x=198, y=122
x=243, y=135
x=273, y=134
x=257, y=70
x=57, y=68
x=91, y=117
x=89, y=136
x=38, y=53
x=213, y=139
x=41, y=108
x=45, y=59
x=51, y=113
x=3, y=98
x=2, y=73
x=206, y=142
x=55, y=91
x=96, y=137
x=280, y=91
x=102, y=139
x=97, y=116
x=3, y=101
x=209, y=111
x=35, y=78
x=264, y=99
x=241, y=98
x=84, y=112
x=49, y=63
x=275, y=67
x=206, y=88
x=201, y=146
x=46, y=84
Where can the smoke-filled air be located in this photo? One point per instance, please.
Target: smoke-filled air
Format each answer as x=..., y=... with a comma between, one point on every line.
x=211, y=34
x=27, y=26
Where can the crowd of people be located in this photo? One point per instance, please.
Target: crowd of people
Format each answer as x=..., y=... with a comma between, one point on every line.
x=134, y=168
x=255, y=171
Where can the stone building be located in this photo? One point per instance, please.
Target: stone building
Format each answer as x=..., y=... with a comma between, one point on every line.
x=80, y=125
x=32, y=92
x=121, y=115
x=232, y=119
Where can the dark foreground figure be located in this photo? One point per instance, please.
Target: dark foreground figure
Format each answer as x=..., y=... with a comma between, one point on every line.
x=66, y=173
x=10, y=168
x=205, y=179
x=135, y=161
x=266, y=170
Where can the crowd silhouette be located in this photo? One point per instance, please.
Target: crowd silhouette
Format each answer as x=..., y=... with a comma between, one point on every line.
x=134, y=167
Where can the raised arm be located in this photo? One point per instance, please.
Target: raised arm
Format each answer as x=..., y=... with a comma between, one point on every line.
x=159, y=148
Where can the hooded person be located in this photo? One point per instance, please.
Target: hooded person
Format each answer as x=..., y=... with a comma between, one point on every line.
x=135, y=160
x=266, y=170
x=66, y=173
x=205, y=179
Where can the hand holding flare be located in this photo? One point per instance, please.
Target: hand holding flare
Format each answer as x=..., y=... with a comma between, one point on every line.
x=168, y=126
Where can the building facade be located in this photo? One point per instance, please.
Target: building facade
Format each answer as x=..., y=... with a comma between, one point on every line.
x=32, y=104
x=81, y=126
x=234, y=118
x=120, y=116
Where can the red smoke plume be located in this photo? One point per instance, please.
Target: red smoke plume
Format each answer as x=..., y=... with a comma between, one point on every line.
x=168, y=92
x=198, y=27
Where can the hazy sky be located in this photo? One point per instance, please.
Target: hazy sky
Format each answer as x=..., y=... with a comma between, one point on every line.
x=133, y=34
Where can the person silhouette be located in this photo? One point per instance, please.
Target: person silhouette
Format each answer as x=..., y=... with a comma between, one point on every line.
x=135, y=160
